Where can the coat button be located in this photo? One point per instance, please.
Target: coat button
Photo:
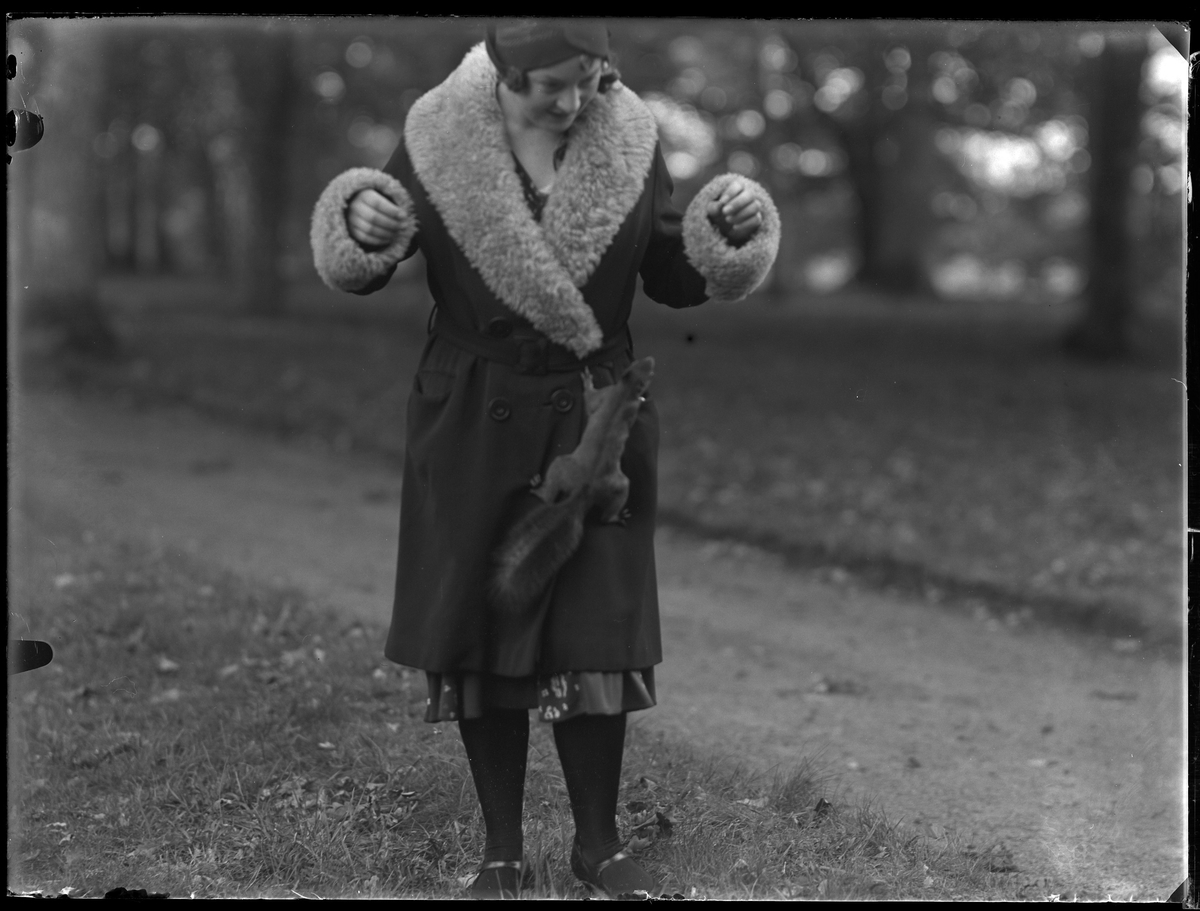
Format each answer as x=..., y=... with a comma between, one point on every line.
x=499, y=409
x=562, y=400
x=499, y=327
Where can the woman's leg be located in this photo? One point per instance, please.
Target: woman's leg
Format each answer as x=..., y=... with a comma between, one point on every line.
x=497, y=747
x=591, y=749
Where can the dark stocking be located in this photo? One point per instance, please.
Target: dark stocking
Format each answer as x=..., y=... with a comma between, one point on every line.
x=497, y=748
x=590, y=748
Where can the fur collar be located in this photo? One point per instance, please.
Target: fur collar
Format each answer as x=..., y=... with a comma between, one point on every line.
x=459, y=150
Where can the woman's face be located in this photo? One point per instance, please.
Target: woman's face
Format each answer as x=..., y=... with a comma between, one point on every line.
x=554, y=95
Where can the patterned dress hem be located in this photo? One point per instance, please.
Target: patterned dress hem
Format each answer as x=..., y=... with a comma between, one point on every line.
x=556, y=697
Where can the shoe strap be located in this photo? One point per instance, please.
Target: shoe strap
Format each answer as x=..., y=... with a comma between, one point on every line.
x=605, y=864
x=501, y=865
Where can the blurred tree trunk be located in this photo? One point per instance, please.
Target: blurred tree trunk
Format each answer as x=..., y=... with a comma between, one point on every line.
x=1114, y=109
x=889, y=168
x=65, y=227
x=890, y=164
x=264, y=67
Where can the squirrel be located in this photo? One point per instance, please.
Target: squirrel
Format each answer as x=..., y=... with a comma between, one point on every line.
x=590, y=477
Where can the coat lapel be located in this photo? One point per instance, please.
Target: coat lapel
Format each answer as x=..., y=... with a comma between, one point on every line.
x=455, y=138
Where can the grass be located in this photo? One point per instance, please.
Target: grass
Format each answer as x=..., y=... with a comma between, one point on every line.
x=196, y=734
x=199, y=736
x=957, y=455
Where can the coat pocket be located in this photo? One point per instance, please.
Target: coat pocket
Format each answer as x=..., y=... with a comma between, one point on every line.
x=433, y=385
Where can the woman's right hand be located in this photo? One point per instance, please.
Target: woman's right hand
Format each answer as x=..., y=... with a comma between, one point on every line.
x=373, y=219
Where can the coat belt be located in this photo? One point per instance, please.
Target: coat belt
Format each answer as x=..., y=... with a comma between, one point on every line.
x=525, y=350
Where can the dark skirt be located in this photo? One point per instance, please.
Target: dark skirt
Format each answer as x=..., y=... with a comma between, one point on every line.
x=557, y=697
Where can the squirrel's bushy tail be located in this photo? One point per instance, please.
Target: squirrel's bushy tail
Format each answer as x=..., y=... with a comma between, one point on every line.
x=534, y=550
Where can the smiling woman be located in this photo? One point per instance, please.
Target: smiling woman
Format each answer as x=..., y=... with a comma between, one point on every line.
x=538, y=116
x=533, y=182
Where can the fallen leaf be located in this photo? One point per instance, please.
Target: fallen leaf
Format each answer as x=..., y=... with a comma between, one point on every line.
x=933, y=830
x=166, y=665
x=326, y=745
x=645, y=818
x=640, y=844
x=287, y=659
x=1119, y=696
x=756, y=802
x=830, y=686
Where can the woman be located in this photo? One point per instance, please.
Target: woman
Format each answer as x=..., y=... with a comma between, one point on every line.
x=532, y=181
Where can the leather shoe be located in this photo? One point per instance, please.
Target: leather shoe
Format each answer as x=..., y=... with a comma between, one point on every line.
x=498, y=879
x=617, y=877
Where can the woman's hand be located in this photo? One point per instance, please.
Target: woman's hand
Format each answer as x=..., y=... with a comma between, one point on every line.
x=736, y=212
x=373, y=219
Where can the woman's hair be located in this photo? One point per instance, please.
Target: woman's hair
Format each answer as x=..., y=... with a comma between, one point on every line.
x=516, y=80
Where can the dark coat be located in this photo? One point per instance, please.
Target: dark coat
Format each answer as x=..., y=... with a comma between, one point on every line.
x=521, y=309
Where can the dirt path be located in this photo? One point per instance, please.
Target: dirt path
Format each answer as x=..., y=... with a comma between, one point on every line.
x=1069, y=751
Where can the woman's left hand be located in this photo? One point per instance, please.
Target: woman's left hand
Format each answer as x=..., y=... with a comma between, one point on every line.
x=736, y=212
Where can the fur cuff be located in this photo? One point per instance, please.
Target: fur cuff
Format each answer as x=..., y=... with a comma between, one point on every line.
x=730, y=272
x=342, y=263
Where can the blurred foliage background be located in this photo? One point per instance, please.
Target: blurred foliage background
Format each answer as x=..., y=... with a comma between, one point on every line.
x=963, y=376
x=1011, y=163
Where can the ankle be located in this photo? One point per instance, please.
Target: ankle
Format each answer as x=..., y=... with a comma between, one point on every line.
x=595, y=852
x=506, y=852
